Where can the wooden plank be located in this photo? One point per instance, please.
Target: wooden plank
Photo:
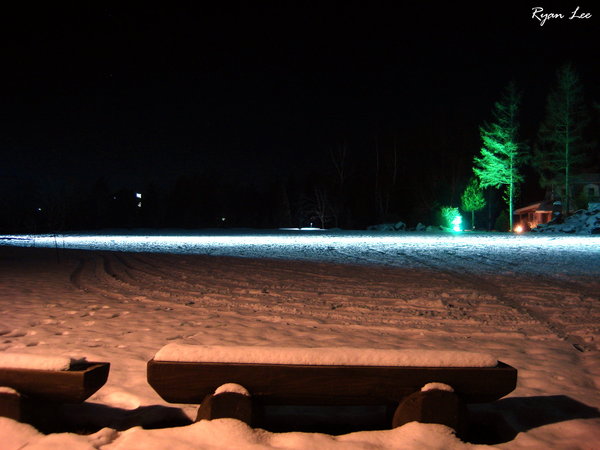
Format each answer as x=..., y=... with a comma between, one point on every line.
x=64, y=386
x=189, y=382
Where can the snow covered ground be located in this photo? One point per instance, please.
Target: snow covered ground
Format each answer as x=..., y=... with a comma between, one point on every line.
x=532, y=301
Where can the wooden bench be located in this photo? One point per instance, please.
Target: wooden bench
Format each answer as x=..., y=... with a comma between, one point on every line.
x=361, y=384
x=39, y=386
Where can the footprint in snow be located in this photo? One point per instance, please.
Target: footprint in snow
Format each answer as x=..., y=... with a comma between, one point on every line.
x=16, y=333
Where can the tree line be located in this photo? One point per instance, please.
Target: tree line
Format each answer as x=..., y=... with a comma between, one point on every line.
x=559, y=150
x=399, y=173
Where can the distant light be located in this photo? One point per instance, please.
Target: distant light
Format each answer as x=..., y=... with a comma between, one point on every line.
x=519, y=229
x=138, y=195
x=222, y=219
x=456, y=223
x=302, y=229
x=139, y=205
x=39, y=209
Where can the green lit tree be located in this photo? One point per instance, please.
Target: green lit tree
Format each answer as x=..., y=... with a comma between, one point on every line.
x=561, y=144
x=501, y=153
x=450, y=218
x=472, y=199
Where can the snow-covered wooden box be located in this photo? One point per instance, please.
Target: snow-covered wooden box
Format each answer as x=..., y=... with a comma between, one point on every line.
x=52, y=379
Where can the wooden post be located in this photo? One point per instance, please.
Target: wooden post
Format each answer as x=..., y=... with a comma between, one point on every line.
x=10, y=404
x=226, y=405
x=433, y=406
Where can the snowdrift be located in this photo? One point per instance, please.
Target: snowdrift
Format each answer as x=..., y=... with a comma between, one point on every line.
x=582, y=222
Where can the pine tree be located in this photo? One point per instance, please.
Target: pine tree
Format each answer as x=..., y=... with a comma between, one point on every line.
x=501, y=153
x=472, y=199
x=561, y=134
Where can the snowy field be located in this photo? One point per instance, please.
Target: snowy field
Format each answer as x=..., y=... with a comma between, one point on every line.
x=532, y=301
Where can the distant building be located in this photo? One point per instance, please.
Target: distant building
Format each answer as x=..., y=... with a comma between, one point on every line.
x=586, y=187
x=535, y=214
x=585, y=191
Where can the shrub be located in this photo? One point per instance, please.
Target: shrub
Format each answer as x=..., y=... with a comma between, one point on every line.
x=447, y=215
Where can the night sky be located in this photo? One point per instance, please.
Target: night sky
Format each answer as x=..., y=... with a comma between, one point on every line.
x=256, y=91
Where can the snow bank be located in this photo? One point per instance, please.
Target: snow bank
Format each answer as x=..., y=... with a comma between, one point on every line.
x=232, y=434
x=398, y=226
x=18, y=436
x=323, y=356
x=38, y=362
x=581, y=222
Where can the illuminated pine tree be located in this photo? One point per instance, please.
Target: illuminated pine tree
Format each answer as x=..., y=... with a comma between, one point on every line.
x=561, y=134
x=501, y=153
x=472, y=199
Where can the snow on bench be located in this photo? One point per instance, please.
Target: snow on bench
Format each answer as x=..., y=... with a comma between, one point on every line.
x=322, y=356
x=38, y=362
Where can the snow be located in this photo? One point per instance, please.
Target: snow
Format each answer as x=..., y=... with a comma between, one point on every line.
x=437, y=386
x=473, y=251
x=39, y=362
x=323, y=356
x=232, y=387
x=531, y=301
x=7, y=390
x=228, y=434
x=581, y=222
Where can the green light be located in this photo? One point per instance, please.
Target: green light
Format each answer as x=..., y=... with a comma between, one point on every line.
x=451, y=218
x=456, y=223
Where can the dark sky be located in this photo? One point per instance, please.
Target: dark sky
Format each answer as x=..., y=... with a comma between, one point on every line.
x=136, y=92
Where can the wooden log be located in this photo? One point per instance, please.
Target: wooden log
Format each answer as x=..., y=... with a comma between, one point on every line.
x=191, y=382
x=62, y=386
x=433, y=406
x=10, y=404
x=226, y=405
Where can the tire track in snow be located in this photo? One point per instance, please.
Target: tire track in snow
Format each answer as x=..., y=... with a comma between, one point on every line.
x=364, y=301
x=483, y=283
x=111, y=283
x=349, y=293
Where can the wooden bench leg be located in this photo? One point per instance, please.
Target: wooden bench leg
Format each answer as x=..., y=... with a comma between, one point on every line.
x=226, y=405
x=10, y=404
x=42, y=415
x=433, y=406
